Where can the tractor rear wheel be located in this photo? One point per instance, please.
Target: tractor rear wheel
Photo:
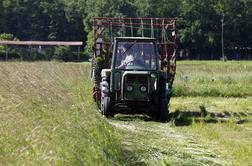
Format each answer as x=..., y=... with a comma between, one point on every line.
x=106, y=108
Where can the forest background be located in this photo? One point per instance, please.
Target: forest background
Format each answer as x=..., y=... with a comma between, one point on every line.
x=199, y=22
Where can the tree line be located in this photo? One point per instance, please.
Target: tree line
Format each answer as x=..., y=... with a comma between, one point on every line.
x=199, y=21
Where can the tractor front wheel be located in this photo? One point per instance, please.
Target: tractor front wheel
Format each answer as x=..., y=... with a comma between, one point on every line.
x=106, y=107
x=164, y=110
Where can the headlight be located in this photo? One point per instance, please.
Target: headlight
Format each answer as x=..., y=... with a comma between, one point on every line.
x=129, y=88
x=143, y=88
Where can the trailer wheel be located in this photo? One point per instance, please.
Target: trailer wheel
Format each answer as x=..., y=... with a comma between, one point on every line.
x=106, y=107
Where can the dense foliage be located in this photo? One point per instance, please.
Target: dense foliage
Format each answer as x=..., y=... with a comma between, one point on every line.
x=199, y=22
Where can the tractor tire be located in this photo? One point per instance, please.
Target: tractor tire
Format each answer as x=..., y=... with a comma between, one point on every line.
x=164, y=110
x=106, y=108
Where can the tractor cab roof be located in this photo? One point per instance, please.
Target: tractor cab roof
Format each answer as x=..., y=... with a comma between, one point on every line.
x=135, y=38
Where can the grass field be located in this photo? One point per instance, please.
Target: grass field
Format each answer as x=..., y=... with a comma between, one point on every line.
x=48, y=117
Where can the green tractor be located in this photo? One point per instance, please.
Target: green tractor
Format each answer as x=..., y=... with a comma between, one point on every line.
x=134, y=74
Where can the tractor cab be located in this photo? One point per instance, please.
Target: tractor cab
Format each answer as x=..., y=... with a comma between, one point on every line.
x=134, y=69
x=135, y=54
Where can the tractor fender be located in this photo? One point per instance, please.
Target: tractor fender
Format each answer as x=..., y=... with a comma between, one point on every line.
x=105, y=72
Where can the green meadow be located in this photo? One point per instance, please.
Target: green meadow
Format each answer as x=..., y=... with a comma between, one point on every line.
x=48, y=117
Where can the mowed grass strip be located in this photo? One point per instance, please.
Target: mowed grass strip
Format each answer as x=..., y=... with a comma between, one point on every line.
x=48, y=117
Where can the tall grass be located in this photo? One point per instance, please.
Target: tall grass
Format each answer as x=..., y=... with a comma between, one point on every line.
x=213, y=78
x=47, y=117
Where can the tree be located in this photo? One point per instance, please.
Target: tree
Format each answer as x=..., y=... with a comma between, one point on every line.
x=2, y=19
x=104, y=8
x=198, y=26
x=199, y=22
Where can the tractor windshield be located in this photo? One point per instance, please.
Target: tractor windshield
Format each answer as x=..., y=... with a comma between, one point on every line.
x=136, y=56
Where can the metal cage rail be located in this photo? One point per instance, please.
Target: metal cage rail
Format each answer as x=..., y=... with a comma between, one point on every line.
x=105, y=29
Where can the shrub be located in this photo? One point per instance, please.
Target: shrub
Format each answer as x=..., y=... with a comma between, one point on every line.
x=63, y=53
